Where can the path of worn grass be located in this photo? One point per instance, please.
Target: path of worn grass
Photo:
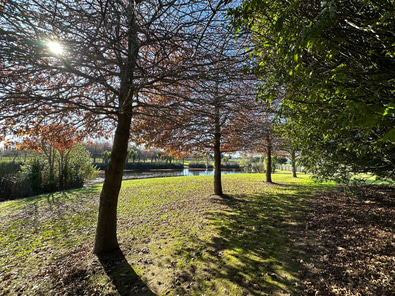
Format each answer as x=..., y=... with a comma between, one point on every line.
x=176, y=239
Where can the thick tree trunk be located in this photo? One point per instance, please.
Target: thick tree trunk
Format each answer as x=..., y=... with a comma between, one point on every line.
x=269, y=163
x=106, y=231
x=293, y=160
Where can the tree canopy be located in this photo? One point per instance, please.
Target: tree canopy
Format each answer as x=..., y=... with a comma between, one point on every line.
x=218, y=109
x=332, y=63
x=114, y=55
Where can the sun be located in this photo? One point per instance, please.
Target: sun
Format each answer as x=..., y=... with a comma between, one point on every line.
x=55, y=47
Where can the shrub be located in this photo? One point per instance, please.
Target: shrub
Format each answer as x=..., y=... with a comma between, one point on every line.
x=77, y=168
x=9, y=168
x=230, y=166
x=253, y=165
x=35, y=176
x=199, y=165
x=74, y=167
x=258, y=167
x=145, y=166
x=12, y=182
x=12, y=187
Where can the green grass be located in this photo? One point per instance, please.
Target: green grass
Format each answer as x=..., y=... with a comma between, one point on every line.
x=176, y=239
x=370, y=179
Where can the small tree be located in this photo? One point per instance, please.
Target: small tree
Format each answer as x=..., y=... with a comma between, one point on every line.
x=96, y=149
x=74, y=168
x=78, y=167
x=35, y=169
x=132, y=154
x=106, y=156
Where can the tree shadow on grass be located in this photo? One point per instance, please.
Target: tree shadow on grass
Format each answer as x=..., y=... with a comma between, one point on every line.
x=257, y=250
x=122, y=275
x=56, y=200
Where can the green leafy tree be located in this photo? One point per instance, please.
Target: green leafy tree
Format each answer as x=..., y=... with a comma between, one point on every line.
x=35, y=168
x=106, y=155
x=332, y=63
x=79, y=167
x=132, y=154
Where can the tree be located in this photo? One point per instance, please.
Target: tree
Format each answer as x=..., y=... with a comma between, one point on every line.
x=60, y=145
x=215, y=112
x=335, y=61
x=268, y=144
x=290, y=145
x=132, y=154
x=106, y=155
x=114, y=53
x=78, y=167
x=52, y=140
x=96, y=148
x=266, y=140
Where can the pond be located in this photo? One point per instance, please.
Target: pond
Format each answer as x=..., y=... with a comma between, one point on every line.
x=130, y=175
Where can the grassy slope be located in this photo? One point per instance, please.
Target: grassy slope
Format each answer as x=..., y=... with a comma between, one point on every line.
x=176, y=238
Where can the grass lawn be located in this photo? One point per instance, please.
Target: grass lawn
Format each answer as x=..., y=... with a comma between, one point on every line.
x=176, y=238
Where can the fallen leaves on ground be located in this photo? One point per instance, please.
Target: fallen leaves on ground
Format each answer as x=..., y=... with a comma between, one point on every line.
x=352, y=244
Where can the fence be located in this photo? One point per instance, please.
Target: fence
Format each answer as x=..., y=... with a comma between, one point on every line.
x=287, y=167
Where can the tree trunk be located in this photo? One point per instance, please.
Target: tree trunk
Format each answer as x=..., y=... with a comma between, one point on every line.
x=61, y=171
x=269, y=162
x=217, y=142
x=293, y=160
x=51, y=164
x=106, y=231
x=217, y=152
x=217, y=170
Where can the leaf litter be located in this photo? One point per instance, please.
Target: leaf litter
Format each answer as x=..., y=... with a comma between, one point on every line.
x=352, y=244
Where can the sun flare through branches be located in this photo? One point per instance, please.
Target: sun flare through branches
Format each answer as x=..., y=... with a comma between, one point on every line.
x=55, y=47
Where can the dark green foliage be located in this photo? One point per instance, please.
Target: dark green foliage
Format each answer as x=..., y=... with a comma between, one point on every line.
x=78, y=168
x=10, y=186
x=9, y=168
x=281, y=160
x=132, y=155
x=153, y=166
x=199, y=165
x=106, y=156
x=35, y=175
x=328, y=68
x=230, y=166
